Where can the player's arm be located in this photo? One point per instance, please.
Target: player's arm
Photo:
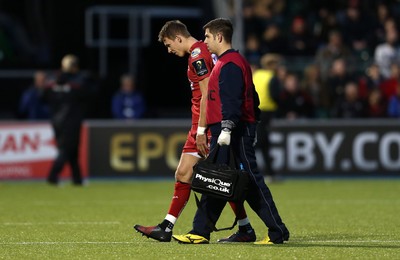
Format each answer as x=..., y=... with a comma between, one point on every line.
x=201, y=138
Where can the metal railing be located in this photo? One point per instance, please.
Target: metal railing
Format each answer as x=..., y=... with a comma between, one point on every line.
x=138, y=19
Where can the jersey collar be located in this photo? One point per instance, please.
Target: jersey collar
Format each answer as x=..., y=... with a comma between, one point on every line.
x=227, y=51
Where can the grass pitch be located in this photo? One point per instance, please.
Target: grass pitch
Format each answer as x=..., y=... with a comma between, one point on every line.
x=338, y=219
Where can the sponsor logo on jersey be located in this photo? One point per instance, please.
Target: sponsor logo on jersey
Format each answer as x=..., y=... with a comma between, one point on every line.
x=200, y=67
x=195, y=52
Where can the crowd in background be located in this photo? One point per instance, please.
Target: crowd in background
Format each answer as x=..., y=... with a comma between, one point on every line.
x=349, y=55
x=324, y=59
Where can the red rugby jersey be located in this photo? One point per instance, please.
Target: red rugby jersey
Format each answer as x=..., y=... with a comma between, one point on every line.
x=200, y=64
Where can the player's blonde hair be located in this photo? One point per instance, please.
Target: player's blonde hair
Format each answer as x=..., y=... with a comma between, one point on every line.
x=171, y=29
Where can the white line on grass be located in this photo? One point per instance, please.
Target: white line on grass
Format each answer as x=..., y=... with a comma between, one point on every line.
x=346, y=241
x=349, y=201
x=62, y=223
x=64, y=242
x=133, y=242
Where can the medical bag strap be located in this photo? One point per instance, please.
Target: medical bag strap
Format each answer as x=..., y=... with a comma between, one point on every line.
x=232, y=159
x=209, y=222
x=212, y=156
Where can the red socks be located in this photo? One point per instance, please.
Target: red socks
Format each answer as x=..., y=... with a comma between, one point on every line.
x=180, y=198
x=239, y=210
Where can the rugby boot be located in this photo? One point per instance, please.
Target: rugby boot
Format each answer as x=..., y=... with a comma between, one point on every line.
x=268, y=241
x=240, y=236
x=154, y=232
x=191, y=239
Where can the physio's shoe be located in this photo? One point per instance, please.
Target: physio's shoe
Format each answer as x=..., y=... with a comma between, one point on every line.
x=154, y=232
x=249, y=236
x=268, y=241
x=191, y=239
x=265, y=241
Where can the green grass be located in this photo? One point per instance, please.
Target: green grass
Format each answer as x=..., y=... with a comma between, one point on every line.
x=338, y=219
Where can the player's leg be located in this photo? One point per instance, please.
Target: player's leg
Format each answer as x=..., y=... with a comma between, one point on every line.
x=246, y=232
x=61, y=158
x=181, y=195
x=73, y=152
x=75, y=169
x=263, y=143
x=259, y=196
x=57, y=166
x=163, y=231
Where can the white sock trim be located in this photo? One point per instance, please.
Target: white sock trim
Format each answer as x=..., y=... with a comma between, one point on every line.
x=171, y=218
x=243, y=222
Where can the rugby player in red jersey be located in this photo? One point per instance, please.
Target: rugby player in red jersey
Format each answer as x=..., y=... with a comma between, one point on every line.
x=175, y=36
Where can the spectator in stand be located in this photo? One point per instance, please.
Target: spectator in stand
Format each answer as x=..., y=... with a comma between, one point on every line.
x=387, y=53
x=389, y=86
x=248, y=17
x=277, y=8
x=374, y=77
x=278, y=78
x=325, y=23
x=370, y=81
x=382, y=16
x=300, y=41
x=350, y=105
x=337, y=80
x=332, y=51
x=293, y=102
x=273, y=40
x=128, y=103
x=312, y=85
x=31, y=105
x=253, y=52
x=376, y=107
x=390, y=25
x=355, y=28
x=256, y=17
x=394, y=104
